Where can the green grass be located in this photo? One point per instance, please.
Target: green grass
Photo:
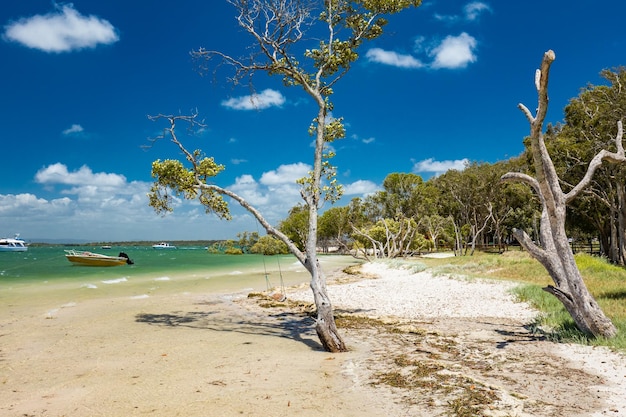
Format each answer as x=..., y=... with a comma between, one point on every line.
x=605, y=281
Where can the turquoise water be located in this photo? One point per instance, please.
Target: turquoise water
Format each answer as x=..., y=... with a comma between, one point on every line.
x=49, y=263
x=44, y=272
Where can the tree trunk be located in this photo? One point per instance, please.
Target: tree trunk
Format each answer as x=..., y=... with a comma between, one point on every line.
x=325, y=325
x=621, y=224
x=614, y=238
x=555, y=253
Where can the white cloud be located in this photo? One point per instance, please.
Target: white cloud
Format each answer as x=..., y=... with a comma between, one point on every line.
x=392, y=58
x=73, y=129
x=454, y=52
x=59, y=174
x=475, y=9
x=471, y=12
x=451, y=53
x=285, y=174
x=247, y=187
x=63, y=30
x=101, y=206
x=266, y=99
x=439, y=167
x=360, y=187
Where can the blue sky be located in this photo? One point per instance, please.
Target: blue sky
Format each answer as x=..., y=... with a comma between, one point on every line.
x=440, y=87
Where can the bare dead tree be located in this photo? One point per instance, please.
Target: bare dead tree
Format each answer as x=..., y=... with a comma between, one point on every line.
x=554, y=251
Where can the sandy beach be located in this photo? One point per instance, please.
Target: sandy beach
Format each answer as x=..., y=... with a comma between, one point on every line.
x=193, y=354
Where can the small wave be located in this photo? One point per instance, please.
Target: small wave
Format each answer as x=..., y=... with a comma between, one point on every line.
x=91, y=286
x=162, y=279
x=139, y=297
x=115, y=281
x=236, y=273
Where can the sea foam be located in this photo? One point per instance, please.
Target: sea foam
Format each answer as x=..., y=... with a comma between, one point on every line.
x=162, y=279
x=115, y=281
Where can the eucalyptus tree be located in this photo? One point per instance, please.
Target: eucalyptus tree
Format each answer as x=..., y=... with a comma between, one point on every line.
x=435, y=226
x=406, y=195
x=508, y=204
x=389, y=238
x=296, y=225
x=553, y=250
x=269, y=245
x=279, y=32
x=590, y=127
x=395, y=214
x=335, y=226
x=463, y=198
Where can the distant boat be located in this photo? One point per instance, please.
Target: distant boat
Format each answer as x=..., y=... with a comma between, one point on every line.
x=96, y=259
x=163, y=245
x=105, y=247
x=15, y=244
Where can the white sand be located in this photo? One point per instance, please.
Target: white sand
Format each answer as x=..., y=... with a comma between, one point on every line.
x=401, y=293
x=196, y=354
x=419, y=296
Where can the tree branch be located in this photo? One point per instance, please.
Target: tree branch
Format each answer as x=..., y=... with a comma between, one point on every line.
x=596, y=162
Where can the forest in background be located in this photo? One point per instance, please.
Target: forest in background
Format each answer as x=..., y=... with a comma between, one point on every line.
x=473, y=208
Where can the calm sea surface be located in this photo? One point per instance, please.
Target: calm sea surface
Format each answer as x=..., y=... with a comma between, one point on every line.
x=42, y=273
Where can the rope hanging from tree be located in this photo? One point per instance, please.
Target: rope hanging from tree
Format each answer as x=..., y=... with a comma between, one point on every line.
x=268, y=284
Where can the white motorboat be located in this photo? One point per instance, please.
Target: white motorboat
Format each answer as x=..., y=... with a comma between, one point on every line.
x=15, y=244
x=163, y=245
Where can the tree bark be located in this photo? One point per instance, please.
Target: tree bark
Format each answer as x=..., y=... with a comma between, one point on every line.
x=555, y=253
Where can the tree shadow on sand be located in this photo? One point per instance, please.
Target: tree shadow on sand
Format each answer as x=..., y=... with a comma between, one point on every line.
x=228, y=318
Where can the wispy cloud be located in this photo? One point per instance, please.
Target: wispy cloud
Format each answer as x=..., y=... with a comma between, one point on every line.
x=74, y=129
x=439, y=167
x=266, y=99
x=454, y=52
x=366, y=141
x=475, y=9
x=392, y=58
x=471, y=12
x=63, y=30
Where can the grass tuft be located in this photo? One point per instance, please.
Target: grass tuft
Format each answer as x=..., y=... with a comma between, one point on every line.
x=605, y=281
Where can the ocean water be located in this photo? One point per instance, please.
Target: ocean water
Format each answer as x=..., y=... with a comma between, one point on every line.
x=44, y=273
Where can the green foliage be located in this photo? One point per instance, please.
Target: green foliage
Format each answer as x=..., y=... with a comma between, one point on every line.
x=392, y=238
x=296, y=225
x=247, y=240
x=233, y=251
x=172, y=178
x=269, y=245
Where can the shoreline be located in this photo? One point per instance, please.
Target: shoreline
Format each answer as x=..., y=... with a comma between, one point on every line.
x=193, y=353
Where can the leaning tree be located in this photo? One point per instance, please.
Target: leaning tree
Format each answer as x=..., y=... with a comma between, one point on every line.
x=553, y=250
x=280, y=30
